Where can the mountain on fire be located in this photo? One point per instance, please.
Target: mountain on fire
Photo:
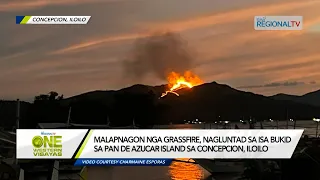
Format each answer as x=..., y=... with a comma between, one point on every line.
x=206, y=102
x=209, y=101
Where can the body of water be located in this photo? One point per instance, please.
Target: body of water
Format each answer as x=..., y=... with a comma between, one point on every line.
x=188, y=171
x=176, y=171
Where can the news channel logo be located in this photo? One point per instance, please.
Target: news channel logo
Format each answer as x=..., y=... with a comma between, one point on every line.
x=278, y=23
x=47, y=144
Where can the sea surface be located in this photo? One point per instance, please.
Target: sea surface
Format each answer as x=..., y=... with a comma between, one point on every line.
x=187, y=171
x=176, y=171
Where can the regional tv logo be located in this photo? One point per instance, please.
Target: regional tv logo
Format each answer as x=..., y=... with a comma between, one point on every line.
x=47, y=144
x=278, y=22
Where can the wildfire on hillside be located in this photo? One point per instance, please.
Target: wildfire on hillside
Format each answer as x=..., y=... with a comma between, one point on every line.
x=178, y=81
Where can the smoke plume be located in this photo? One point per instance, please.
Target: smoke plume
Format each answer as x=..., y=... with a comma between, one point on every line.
x=159, y=54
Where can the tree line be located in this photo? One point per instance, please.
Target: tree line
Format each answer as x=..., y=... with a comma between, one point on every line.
x=53, y=108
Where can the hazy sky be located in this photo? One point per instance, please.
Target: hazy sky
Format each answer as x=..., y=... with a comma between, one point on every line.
x=72, y=59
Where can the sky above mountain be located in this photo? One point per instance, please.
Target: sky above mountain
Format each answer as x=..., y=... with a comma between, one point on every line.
x=72, y=59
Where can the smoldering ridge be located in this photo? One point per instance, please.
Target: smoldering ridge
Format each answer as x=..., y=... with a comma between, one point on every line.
x=159, y=54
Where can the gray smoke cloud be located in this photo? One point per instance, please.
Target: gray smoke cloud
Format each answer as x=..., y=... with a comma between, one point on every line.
x=159, y=54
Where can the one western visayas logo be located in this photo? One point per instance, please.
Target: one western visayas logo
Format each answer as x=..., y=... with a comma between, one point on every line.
x=47, y=144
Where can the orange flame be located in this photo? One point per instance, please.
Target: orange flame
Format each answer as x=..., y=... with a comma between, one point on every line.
x=177, y=81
